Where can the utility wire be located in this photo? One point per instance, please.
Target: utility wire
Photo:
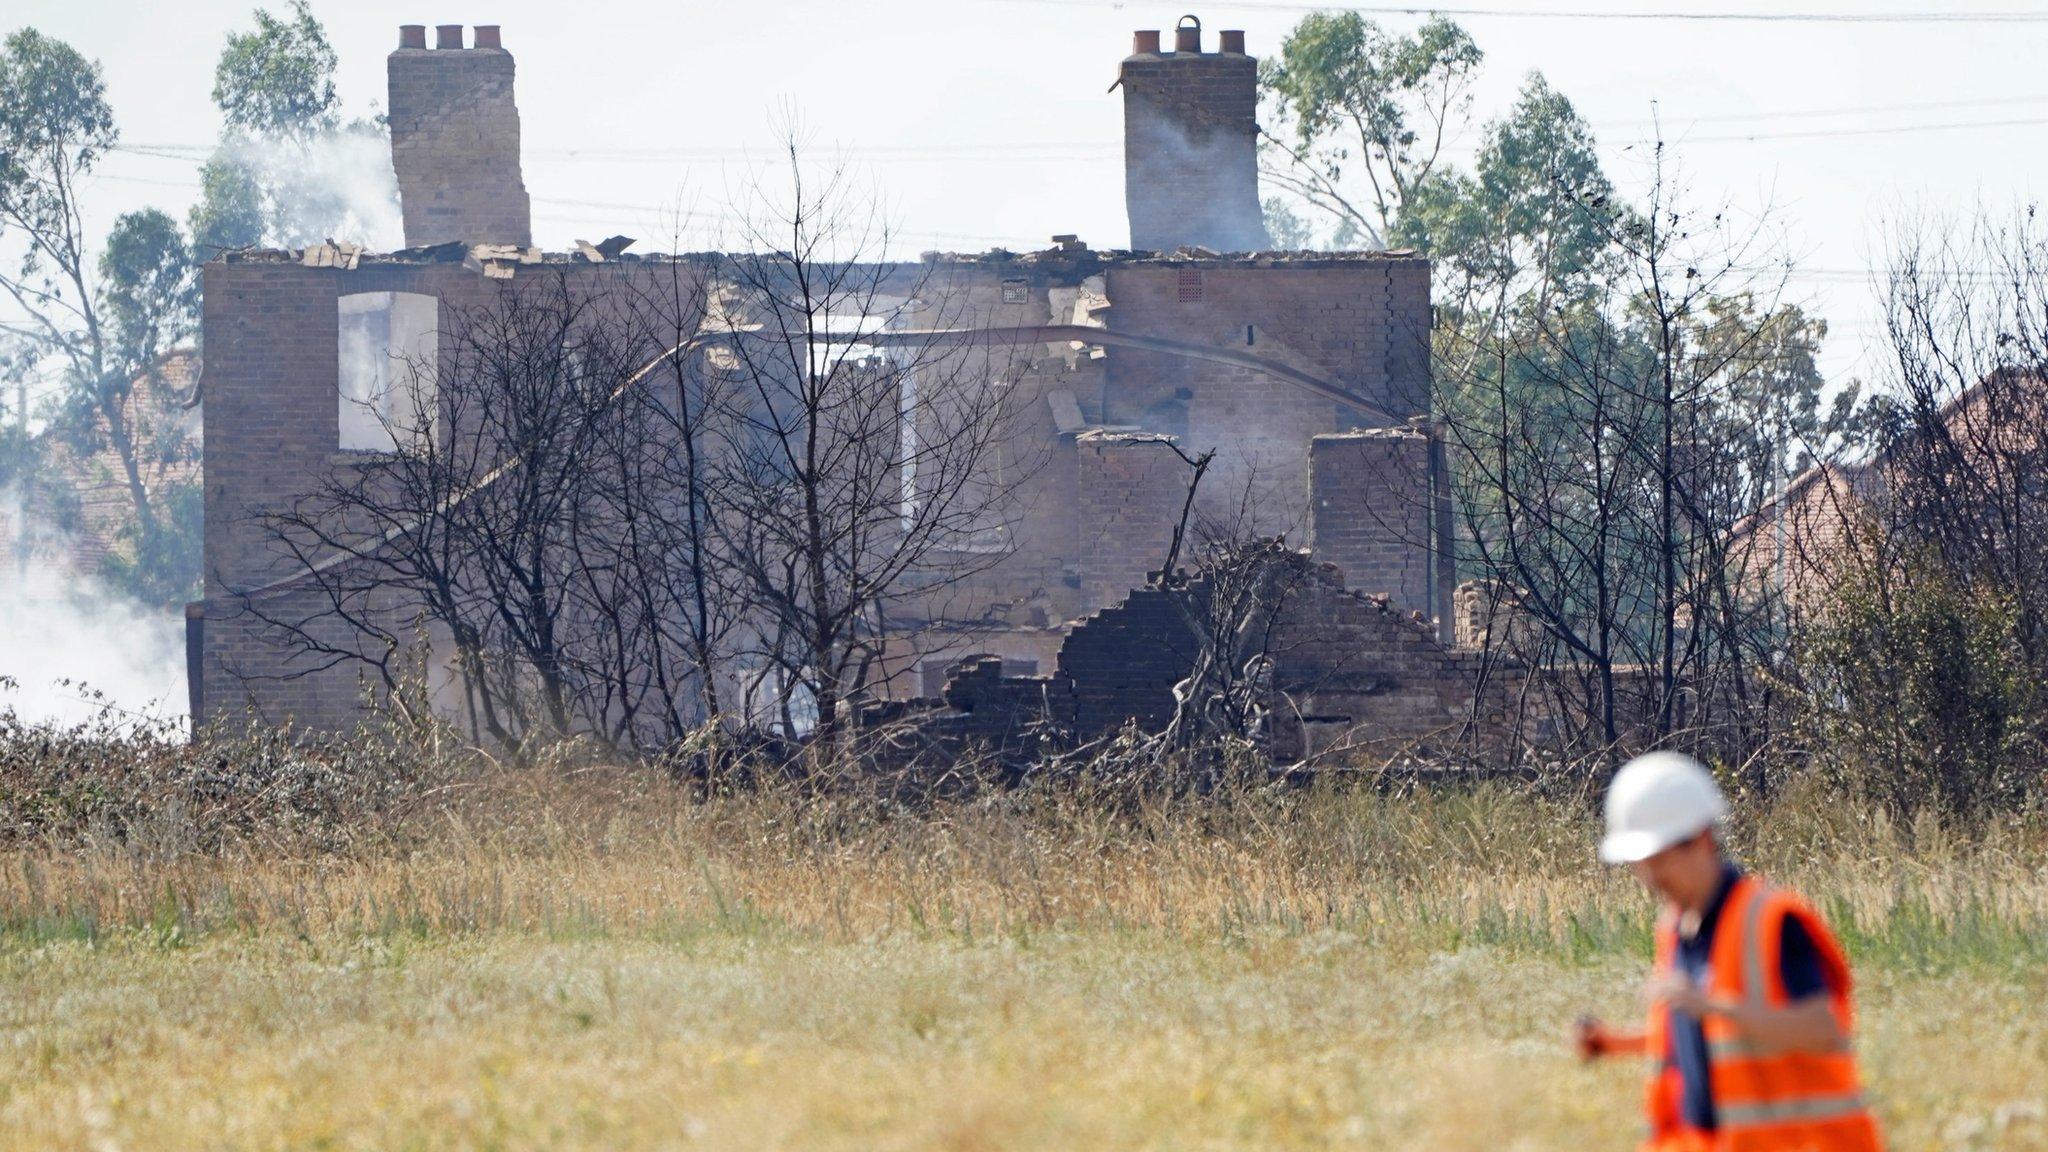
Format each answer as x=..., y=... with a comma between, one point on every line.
x=1733, y=117
x=1096, y=149
x=1831, y=133
x=2036, y=17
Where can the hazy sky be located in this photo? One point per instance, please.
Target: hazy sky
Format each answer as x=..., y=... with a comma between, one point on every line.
x=988, y=122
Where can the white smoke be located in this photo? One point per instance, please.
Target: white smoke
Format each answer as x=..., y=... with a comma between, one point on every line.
x=72, y=650
x=338, y=184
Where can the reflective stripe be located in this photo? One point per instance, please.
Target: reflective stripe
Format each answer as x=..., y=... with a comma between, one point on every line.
x=1803, y=1110
x=1737, y=1048
x=1753, y=945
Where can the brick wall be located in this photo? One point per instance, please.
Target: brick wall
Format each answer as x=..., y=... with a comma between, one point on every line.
x=1359, y=671
x=1130, y=490
x=1123, y=662
x=272, y=424
x=1370, y=501
x=1360, y=323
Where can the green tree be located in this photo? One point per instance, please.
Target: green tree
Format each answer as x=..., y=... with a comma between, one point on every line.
x=95, y=325
x=1359, y=104
x=149, y=298
x=1921, y=693
x=230, y=211
x=150, y=293
x=281, y=173
x=278, y=80
x=1519, y=223
x=55, y=124
x=1771, y=390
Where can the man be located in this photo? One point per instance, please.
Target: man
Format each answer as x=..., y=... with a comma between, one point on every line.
x=1750, y=1017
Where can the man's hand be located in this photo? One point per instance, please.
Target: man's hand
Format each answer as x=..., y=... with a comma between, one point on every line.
x=1594, y=1040
x=1677, y=991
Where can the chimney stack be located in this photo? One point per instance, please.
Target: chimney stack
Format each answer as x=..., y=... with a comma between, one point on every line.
x=455, y=139
x=1191, y=169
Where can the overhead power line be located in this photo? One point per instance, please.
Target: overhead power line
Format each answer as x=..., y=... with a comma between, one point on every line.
x=1097, y=150
x=1838, y=110
x=1040, y=149
x=1639, y=15
x=1892, y=130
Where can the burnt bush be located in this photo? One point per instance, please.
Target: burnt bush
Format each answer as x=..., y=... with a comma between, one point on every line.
x=111, y=781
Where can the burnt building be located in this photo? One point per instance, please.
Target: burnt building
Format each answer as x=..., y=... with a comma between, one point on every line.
x=1305, y=373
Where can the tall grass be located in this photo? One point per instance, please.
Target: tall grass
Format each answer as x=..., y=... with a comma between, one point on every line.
x=472, y=956
x=615, y=852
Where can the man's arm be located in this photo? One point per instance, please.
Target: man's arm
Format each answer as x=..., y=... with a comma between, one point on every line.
x=1808, y=1024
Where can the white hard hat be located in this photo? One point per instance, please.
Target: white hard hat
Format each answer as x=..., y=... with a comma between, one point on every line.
x=1657, y=800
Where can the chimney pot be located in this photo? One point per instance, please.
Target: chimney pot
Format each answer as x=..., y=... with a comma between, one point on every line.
x=1229, y=40
x=1145, y=43
x=447, y=35
x=1187, y=35
x=412, y=35
x=487, y=37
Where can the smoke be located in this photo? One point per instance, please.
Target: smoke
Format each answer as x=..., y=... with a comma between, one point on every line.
x=337, y=184
x=1190, y=183
x=75, y=650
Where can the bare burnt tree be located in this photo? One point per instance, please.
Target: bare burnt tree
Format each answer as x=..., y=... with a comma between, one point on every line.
x=1232, y=607
x=1608, y=440
x=1963, y=453
x=1228, y=609
x=869, y=443
x=1922, y=648
x=531, y=518
x=670, y=454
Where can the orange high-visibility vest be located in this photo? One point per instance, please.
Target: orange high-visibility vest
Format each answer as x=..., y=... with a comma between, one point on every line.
x=1763, y=1102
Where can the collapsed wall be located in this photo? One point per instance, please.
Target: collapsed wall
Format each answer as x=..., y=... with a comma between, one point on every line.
x=1340, y=670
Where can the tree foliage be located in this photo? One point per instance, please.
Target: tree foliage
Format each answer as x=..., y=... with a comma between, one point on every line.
x=230, y=211
x=1366, y=104
x=1919, y=690
x=1527, y=219
x=288, y=169
x=55, y=124
x=278, y=80
x=94, y=323
x=151, y=291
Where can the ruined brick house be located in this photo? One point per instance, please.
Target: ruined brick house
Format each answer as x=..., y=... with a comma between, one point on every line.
x=1836, y=514
x=1305, y=372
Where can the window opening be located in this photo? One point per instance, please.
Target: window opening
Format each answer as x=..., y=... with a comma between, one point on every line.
x=386, y=357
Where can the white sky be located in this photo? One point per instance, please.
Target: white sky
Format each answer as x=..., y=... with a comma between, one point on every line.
x=987, y=121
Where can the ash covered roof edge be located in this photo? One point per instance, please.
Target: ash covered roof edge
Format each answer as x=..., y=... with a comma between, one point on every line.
x=996, y=257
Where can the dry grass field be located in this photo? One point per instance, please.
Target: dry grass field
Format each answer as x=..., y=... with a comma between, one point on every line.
x=598, y=961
